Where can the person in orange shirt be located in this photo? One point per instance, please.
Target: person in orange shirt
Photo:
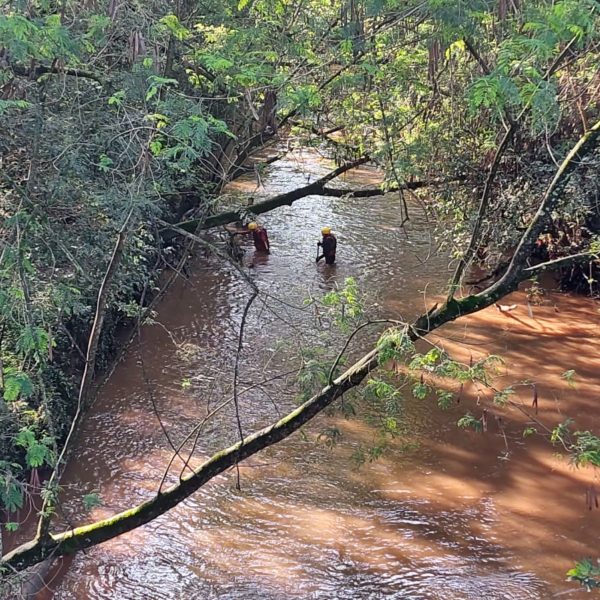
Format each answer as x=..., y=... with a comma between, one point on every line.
x=259, y=237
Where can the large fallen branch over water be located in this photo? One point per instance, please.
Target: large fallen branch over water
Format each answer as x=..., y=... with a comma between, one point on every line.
x=317, y=188
x=70, y=541
x=288, y=198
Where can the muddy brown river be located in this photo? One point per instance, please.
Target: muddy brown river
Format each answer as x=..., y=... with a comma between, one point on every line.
x=443, y=514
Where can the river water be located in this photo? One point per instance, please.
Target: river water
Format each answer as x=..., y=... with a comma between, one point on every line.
x=442, y=514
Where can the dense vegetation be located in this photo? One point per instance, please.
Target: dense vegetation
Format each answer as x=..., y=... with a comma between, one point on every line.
x=118, y=116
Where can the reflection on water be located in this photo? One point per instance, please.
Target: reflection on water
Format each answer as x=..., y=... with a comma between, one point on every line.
x=443, y=521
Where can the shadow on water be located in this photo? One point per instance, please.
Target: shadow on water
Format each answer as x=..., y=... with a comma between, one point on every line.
x=441, y=516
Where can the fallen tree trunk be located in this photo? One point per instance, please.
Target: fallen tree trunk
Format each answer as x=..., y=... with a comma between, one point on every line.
x=280, y=200
x=317, y=188
x=73, y=540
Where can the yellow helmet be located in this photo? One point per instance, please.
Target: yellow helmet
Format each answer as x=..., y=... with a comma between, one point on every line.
x=252, y=226
x=326, y=230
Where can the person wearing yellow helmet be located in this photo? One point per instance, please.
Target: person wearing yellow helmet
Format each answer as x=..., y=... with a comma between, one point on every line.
x=329, y=245
x=259, y=237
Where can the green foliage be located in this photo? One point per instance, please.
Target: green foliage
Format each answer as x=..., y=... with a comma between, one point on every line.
x=314, y=373
x=561, y=433
x=383, y=394
x=16, y=384
x=363, y=454
x=345, y=305
x=156, y=83
x=569, y=377
x=429, y=361
x=104, y=112
x=8, y=105
x=586, y=449
x=502, y=397
x=38, y=452
x=468, y=421
x=445, y=399
x=493, y=92
x=587, y=573
x=175, y=28
x=583, y=446
x=12, y=495
x=117, y=98
x=91, y=500
x=420, y=391
x=394, y=344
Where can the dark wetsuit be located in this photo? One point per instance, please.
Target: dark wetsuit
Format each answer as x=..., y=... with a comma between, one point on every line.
x=329, y=244
x=261, y=239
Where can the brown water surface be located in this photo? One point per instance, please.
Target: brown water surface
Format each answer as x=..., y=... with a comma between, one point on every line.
x=444, y=514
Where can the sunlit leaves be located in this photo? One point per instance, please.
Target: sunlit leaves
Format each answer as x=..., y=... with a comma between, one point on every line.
x=155, y=84
x=494, y=92
x=445, y=399
x=420, y=390
x=304, y=97
x=502, y=397
x=345, y=304
x=586, y=449
x=117, y=98
x=583, y=446
x=384, y=392
x=587, y=573
x=8, y=105
x=561, y=433
x=569, y=376
x=16, y=384
x=38, y=452
x=394, y=344
x=175, y=28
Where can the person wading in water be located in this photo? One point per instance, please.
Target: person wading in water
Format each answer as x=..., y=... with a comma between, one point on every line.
x=329, y=245
x=259, y=237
